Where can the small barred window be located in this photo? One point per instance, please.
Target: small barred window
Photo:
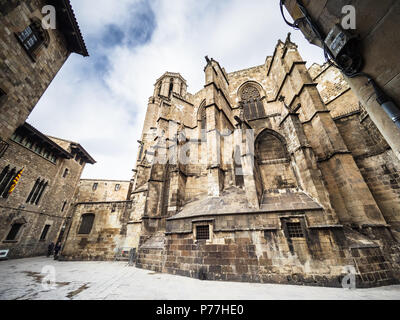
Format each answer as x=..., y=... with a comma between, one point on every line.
x=295, y=230
x=202, y=232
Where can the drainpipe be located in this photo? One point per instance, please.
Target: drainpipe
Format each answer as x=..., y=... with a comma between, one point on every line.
x=386, y=103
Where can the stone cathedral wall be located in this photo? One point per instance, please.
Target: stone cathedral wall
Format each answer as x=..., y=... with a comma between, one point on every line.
x=266, y=254
x=310, y=204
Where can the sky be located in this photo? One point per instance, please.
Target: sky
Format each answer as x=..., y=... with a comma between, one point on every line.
x=101, y=101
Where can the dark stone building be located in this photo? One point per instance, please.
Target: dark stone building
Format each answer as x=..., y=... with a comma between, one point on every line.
x=38, y=209
x=31, y=56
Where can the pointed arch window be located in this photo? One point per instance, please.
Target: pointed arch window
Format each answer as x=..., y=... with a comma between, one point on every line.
x=3, y=175
x=37, y=192
x=270, y=148
x=7, y=176
x=41, y=193
x=251, y=102
x=159, y=89
x=202, y=118
x=3, y=96
x=171, y=87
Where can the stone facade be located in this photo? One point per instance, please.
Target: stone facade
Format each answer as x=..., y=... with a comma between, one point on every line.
x=37, y=211
x=106, y=235
x=44, y=193
x=107, y=201
x=377, y=163
x=269, y=174
x=92, y=190
x=375, y=31
x=26, y=74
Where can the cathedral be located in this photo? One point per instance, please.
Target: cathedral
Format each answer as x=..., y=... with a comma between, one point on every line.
x=272, y=174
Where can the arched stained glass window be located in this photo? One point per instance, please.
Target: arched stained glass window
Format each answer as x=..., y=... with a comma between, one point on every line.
x=251, y=102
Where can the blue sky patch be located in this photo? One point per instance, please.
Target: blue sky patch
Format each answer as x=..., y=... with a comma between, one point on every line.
x=143, y=24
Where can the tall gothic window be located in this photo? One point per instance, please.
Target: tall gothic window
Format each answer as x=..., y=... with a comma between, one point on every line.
x=3, y=147
x=7, y=176
x=45, y=232
x=250, y=100
x=159, y=89
x=37, y=191
x=3, y=96
x=203, y=122
x=63, y=206
x=171, y=87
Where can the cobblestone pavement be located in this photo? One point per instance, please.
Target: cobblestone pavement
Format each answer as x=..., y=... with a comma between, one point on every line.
x=22, y=279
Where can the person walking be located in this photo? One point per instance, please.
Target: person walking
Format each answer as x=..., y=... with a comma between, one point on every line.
x=57, y=250
x=50, y=249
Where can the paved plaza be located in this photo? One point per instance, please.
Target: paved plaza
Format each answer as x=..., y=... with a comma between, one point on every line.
x=25, y=279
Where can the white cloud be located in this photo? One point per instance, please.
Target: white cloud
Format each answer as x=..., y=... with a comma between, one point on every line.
x=105, y=111
x=93, y=15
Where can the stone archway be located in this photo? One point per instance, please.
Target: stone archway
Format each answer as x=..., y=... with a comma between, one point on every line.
x=273, y=161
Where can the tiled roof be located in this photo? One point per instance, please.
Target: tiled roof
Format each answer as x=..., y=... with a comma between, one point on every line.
x=68, y=25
